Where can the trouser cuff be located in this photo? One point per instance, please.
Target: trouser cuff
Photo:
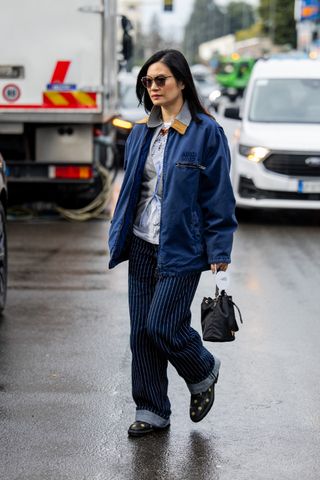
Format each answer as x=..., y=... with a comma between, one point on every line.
x=152, y=418
x=200, y=387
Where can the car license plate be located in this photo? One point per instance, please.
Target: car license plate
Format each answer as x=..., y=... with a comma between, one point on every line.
x=308, y=187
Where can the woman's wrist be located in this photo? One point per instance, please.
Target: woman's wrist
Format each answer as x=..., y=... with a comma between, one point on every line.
x=216, y=267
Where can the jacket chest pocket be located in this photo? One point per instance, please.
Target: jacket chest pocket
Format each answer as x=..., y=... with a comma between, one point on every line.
x=190, y=165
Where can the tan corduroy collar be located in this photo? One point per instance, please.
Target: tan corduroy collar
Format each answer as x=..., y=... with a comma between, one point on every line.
x=180, y=123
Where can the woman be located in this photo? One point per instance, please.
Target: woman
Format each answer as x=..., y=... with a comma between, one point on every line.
x=173, y=220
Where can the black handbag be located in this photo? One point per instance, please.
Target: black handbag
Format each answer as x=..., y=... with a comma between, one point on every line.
x=218, y=318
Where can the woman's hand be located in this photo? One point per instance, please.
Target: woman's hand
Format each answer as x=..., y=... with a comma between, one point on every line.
x=216, y=267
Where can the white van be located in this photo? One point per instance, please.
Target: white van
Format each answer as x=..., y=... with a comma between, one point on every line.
x=276, y=150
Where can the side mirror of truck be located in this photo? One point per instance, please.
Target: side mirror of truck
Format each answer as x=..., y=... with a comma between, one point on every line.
x=232, y=112
x=127, y=42
x=127, y=46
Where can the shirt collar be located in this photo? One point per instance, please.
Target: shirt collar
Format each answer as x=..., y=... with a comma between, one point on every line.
x=180, y=124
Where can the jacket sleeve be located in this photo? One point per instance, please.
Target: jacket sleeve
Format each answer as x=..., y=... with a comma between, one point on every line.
x=216, y=198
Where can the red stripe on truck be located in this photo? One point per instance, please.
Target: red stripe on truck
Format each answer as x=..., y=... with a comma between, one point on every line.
x=60, y=71
x=47, y=107
x=71, y=99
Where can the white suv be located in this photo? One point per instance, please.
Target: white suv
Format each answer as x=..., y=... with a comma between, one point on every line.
x=276, y=150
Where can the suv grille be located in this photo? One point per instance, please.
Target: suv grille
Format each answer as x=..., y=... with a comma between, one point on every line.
x=293, y=164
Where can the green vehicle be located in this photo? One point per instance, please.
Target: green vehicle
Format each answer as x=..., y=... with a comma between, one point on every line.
x=233, y=74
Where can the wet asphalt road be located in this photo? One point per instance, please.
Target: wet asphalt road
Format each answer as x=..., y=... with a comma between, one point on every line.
x=65, y=401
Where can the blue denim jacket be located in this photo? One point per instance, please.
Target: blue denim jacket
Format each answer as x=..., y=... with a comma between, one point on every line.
x=198, y=205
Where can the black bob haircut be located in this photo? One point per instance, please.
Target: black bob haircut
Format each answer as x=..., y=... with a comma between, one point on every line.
x=180, y=69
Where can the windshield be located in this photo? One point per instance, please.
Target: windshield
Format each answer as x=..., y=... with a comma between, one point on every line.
x=129, y=97
x=286, y=101
x=225, y=67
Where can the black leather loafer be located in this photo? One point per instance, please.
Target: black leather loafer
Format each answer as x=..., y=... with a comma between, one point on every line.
x=139, y=429
x=201, y=403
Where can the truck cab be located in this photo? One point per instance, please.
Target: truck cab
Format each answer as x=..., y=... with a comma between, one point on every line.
x=233, y=74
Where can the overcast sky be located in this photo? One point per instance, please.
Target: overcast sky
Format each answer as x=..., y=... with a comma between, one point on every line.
x=173, y=22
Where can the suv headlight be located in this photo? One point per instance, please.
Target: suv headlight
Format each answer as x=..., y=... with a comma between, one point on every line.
x=254, y=154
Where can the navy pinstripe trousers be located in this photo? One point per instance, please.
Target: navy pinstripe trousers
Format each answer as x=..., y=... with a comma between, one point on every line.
x=160, y=332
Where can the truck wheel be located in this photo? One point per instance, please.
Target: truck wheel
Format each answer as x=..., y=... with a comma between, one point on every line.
x=3, y=258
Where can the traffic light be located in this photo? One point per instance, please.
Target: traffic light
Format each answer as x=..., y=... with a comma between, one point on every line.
x=168, y=5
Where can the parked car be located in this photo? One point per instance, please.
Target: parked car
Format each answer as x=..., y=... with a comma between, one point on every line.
x=205, y=83
x=3, y=236
x=276, y=151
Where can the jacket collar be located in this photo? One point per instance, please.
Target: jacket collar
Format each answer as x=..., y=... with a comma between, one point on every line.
x=180, y=124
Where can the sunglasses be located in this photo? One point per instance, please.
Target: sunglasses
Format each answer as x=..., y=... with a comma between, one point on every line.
x=159, y=81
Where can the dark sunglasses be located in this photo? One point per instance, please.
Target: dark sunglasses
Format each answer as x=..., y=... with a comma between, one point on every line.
x=159, y=81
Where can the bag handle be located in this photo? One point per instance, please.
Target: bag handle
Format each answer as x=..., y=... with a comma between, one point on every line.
x=238, y=310
x=217, y=294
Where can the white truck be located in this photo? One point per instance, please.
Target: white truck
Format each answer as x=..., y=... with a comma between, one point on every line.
x=58, y=82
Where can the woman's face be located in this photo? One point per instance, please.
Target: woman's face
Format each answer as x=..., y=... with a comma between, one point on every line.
x=168, y=95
